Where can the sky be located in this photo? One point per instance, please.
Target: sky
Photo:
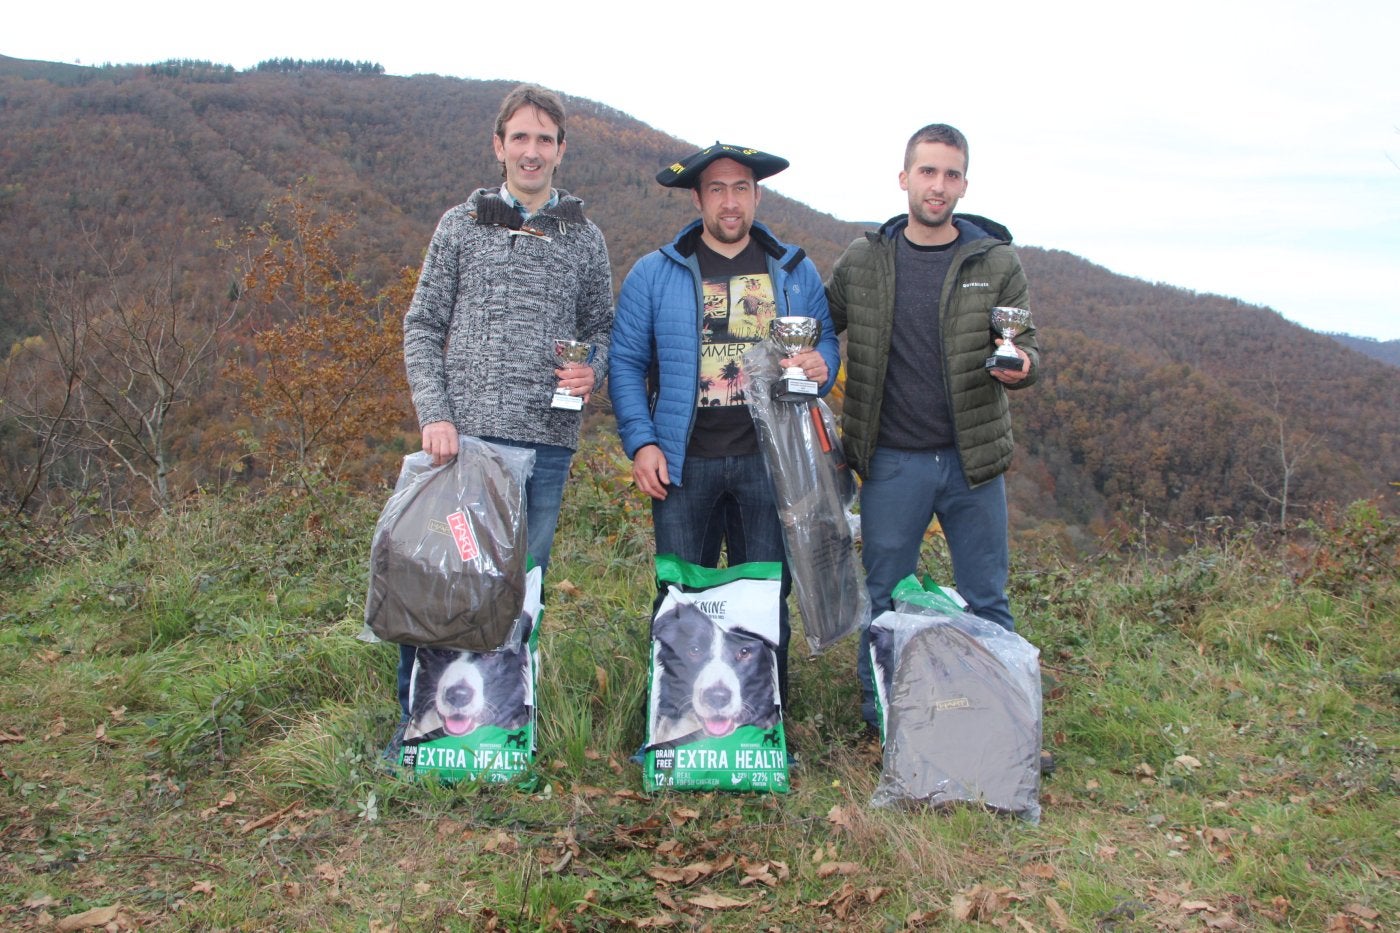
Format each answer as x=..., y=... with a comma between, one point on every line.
x=1248, y=149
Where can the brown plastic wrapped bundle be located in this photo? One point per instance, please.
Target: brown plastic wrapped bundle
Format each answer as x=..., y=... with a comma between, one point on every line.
x=448, y=559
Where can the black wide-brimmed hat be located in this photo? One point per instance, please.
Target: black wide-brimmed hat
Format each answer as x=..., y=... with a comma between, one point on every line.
x=686, y=172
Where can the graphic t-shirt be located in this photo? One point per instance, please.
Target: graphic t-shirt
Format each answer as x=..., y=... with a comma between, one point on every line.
x=739, y=309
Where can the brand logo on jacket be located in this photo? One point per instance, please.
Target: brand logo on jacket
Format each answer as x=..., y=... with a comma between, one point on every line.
x=977, y=285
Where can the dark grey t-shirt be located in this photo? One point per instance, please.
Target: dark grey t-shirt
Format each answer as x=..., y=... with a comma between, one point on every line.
x=915, y=414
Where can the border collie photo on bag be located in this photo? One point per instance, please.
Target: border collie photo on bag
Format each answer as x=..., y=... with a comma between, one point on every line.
x=472, y=714
x=714, y=719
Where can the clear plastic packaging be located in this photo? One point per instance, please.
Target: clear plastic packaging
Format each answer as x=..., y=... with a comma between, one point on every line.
x=448, y=559
x=960, y=704
x=815, y=492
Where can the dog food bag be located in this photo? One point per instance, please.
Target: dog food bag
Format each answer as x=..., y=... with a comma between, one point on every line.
x=815, y=492
x=472, y=714
x=960, y=702
x=447, y=562
x=714, y=718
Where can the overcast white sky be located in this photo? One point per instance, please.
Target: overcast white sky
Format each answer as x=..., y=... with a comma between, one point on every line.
x=1249, y=149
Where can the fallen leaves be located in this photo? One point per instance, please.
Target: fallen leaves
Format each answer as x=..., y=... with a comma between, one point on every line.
x=689, y=874
x=840, y=817
x=330, y=875
x=848, y=897
x=228, y=800
x=1058, y=918
x=713, y=901
x=827, y=869
x=682, y=815
x=770, y=873
x=982, y=903
x=270, y=819
x=88, y=919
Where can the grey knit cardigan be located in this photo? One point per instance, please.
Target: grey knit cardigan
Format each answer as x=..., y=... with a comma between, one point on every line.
x=493, y=296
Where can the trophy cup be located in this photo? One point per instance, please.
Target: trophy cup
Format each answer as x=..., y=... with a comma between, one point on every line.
x=567, y=353
x=1010, y=322
x=793, y=335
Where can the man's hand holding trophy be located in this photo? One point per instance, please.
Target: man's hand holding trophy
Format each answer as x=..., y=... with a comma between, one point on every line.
x=794, y=335
x=569, y=354
x=1008, y=322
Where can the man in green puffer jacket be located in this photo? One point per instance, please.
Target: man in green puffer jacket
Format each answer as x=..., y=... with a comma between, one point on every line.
x=926, y=424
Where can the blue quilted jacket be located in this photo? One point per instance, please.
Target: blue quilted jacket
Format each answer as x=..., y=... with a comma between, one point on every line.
x=654, y=369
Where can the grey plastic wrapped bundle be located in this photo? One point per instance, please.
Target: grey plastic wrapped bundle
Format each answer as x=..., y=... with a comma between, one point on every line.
x=961, y=706
x=448, y=559
x=815, y=490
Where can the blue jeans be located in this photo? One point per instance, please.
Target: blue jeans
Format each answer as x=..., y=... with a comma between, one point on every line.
x=728, y=498
x=904, y=491
x=544, y=493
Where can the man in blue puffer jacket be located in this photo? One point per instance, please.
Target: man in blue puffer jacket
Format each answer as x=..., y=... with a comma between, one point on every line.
x=686, y=316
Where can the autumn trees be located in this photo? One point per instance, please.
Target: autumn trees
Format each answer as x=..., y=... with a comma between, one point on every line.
x=321, y=372
x=132, y=387
x=92, y=396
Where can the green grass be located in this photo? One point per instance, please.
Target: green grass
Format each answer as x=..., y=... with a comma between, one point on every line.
x=191, y=734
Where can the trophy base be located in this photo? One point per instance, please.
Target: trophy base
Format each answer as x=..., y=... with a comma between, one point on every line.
x=794, y=390
x=566, y=402
x=1003, y=362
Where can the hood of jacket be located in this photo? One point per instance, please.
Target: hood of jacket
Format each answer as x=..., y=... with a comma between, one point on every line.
x=682, y=248
x=970, y=227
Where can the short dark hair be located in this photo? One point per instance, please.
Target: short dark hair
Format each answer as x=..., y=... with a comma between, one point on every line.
x=936, y=133
x=531, y=95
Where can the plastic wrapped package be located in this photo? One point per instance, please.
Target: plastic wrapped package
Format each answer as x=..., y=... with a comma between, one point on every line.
x=960, y=704
x=815, y=491
x=448, y=558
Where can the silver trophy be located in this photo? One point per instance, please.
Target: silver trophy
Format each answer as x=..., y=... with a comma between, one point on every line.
x=1009, y=322
x=567, y=353
x=794, y=335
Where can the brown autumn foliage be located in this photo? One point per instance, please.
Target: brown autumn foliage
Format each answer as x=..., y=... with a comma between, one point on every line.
x=1155, y=400
x=323, y=377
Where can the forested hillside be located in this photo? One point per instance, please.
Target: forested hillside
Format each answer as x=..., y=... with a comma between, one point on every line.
x=189, y=254
x=1387, y=351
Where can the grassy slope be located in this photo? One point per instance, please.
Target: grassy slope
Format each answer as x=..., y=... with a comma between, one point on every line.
x=190, y=731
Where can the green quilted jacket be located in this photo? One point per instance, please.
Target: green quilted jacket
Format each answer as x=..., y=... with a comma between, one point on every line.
x=985, y=273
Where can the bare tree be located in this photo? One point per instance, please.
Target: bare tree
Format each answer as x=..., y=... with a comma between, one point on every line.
x=1291, y=451
x=127, y=351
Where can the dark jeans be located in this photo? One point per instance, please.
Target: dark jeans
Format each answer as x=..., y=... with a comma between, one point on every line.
x=544, y=493
x=728, y=498
x=904, y=491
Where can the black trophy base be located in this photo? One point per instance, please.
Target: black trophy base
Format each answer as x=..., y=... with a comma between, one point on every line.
x=794, y=390
x=1003, y=362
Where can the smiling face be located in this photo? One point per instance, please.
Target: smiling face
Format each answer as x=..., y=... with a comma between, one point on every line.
x=530, y=148
x=727, y=198
x=936, y=179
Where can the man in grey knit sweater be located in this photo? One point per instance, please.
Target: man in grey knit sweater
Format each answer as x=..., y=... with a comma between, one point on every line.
x=506, y=274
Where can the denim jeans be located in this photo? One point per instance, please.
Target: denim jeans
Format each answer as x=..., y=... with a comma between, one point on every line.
x=904, y=491
x=544, y=493
x=729, y=498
